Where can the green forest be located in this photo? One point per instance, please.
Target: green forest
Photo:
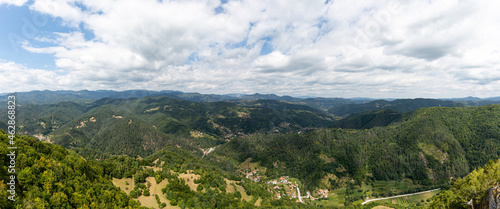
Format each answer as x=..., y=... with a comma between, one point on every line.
x=71, y=154
x=477, y=187
x=50, y=176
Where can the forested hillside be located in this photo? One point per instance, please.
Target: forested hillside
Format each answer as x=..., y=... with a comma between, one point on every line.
x=167, y=139
x=429, y=145
x=369, y=119
x=50, y=176
x=481, y=188
x=141, y=126
x=400, y=105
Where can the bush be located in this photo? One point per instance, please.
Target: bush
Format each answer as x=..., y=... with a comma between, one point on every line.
x=133, y=194
x=199, y=188
x=173, y=202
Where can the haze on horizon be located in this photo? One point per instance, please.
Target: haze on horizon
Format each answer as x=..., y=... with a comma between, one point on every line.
x=376, y=49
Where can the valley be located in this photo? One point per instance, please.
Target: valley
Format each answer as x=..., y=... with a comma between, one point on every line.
x=164, y=152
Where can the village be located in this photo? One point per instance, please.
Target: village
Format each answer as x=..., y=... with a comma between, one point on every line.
x=283, y=187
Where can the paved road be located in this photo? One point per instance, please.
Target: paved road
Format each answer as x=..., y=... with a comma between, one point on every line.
x=208, y=151
x=300, y=197
x=404, y=195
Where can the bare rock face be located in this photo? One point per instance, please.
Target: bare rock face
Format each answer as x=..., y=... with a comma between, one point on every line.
x=492, y=200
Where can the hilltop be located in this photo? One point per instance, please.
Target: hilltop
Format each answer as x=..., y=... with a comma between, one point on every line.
x=141, y=126
x=390, y=148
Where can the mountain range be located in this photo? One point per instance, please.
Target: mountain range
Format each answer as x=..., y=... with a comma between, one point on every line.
x=356, y=148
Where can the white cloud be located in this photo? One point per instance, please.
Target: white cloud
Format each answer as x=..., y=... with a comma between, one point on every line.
x=13, y=2
x=342, y=48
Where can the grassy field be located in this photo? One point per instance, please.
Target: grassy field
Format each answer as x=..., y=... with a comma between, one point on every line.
x=393, y=186
x=247, y=165
x=149, y=201
x=229, y=186
x=157, y=190
x=414, y=200
x=127, y=185
x=338, y=196
x=381, y=207
x=122, y=184
x=189, y=178
x=243, y=193
x=257, y=203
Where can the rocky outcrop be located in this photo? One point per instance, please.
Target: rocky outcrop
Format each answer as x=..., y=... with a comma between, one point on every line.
x=492, y=200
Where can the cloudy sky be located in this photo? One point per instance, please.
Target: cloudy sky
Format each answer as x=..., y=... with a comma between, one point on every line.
x=345, y=48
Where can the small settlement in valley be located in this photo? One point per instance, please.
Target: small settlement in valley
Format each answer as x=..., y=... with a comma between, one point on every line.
x=283, y=187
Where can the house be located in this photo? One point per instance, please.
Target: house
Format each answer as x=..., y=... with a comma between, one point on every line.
x=283, y=179
x=294, y=195
x=278, y=195
x=276, y=187
x=272, y=182
x=249, y=175
x=325, y=193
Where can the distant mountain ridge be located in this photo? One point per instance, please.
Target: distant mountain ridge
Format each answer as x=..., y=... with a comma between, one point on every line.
x=337, y=106
x=369, y=119
x=86, y=96
x=140, y=126
x=400, y=105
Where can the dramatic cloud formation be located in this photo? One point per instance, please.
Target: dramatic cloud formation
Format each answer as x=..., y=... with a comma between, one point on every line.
x=339, y=48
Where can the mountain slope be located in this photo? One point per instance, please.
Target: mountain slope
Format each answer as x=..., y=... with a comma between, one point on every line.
x=429, y=145
x=141, y=126
x=369, y=119
x=400, y=105
x=49, y=176
x=108, y=130
x=480, y=186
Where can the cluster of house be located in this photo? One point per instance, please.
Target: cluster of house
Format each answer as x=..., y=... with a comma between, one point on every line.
x=323, y=193
x=291, y=193
x=283, y=180
x=254, y=176
x=43, y=138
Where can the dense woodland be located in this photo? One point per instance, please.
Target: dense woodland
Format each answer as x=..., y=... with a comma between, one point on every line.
x=118, y=137
x=50, y=176
x=474, y=186
x=429, y=145
x=139, y=127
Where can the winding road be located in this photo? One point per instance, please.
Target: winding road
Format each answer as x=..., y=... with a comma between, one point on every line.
x=300, y=198
x=404, y=195
x=208, y=151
